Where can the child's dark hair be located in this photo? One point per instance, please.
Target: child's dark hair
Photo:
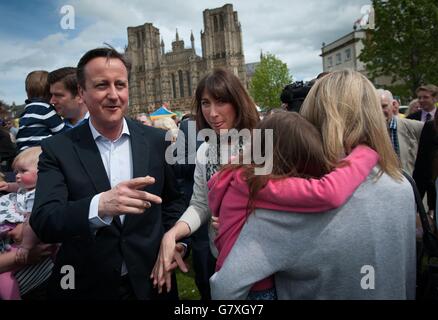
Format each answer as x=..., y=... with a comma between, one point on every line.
x=297, y=152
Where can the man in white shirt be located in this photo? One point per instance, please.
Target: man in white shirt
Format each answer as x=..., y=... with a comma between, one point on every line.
x=105, y=192
x=427, y=97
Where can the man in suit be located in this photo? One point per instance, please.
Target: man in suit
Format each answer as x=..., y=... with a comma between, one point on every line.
x=404, y=133
x=105, y=192
x=427, y=97
x=65, y=96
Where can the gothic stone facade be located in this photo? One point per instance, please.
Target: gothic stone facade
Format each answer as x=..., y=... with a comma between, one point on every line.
x=158, y=77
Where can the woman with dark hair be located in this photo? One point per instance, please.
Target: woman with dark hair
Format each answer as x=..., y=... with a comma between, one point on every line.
x=221, y=103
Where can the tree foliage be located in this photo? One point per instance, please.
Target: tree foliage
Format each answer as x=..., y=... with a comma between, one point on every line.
x=269, y=79
x=404, y=43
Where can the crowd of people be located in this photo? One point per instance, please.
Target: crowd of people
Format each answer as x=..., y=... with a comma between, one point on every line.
x=94, y=190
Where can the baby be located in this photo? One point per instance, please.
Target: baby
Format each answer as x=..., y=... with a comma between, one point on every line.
x=15, y=208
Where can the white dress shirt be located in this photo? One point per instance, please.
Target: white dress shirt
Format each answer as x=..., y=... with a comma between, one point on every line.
x=424, y=114
x=117, y=159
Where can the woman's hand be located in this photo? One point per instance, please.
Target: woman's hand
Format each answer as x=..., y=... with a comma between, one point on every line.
x=215, y=223
x=170, y=256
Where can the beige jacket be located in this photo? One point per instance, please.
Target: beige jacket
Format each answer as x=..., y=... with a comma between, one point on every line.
x=408, y=132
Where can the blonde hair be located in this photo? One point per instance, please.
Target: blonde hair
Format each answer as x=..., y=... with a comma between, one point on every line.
x=429, y=88
x=28, y=156
x=167, y=124
x=346, y=109
x=414, y=104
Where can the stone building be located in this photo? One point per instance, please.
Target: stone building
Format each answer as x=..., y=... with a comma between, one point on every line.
x=344, y=53
x=159, y=77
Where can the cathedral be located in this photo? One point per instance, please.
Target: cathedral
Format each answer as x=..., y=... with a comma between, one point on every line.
x=159, y=77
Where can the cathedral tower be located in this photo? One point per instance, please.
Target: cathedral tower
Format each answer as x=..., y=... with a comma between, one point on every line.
x=222, y=40
x=159, y=77
x=144, y=50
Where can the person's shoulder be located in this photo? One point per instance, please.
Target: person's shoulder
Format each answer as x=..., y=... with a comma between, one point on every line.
x=415, y=115
x=385, y=181
x=65, y=137
x=38, y=102
x=38, y=105
x=153, y=135
x=429, y=129
x=411, y=123
x=150, y=131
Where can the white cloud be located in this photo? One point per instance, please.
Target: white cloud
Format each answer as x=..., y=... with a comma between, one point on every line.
x=291, y=29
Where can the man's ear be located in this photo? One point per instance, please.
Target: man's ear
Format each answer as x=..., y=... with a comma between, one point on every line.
x=78, y=98
x=80, y=91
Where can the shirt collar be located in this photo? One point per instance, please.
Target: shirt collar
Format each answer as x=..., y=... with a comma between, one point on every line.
x=432, y=113
x=70, y=125
x=96, y=134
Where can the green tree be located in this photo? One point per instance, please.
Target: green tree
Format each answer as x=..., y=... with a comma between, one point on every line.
x=269, y=79
x=404, y=43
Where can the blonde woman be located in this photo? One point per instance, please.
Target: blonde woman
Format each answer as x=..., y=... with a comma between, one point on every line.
x=167, y=124
x=414, y=106
x=362, y=250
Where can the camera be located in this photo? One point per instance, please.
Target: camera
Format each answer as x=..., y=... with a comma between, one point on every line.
x=294, y=94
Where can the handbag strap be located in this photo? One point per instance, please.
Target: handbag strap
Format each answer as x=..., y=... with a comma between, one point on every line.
x=420, y=207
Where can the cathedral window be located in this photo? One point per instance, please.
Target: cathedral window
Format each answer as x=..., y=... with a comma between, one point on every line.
x=189, y=83
x=173, y=86
x=181, y=83
x=221, y=23
x=216, y=26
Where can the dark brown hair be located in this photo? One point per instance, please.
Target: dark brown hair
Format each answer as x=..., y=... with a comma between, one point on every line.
x=67, y=76
x=109, y=53
x=297, y=152
x=37, y=85
x=224, y=86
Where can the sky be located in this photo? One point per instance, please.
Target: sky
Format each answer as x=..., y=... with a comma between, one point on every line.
x=46, y=35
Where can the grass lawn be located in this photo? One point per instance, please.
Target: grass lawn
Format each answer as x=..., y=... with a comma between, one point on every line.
x=186, y=283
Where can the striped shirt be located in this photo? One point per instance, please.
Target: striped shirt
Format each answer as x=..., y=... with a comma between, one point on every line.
x=393, y=135
x=32, y=276
x=38, y=121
